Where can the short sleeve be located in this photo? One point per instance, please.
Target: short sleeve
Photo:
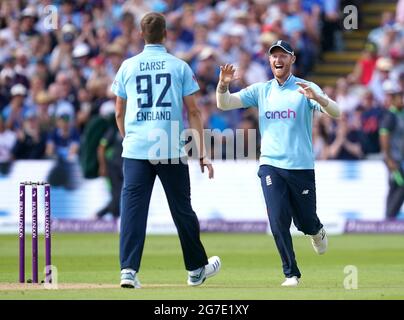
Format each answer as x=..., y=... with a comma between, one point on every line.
x=249, y=96
x=189, y=83
x=387, y=124
x=118, y=86
x=314, y=104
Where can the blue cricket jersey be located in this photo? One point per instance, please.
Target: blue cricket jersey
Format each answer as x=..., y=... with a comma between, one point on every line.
x=285, y=121
x=154, y=83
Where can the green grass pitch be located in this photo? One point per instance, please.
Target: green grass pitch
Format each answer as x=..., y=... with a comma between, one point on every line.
x=88, y=268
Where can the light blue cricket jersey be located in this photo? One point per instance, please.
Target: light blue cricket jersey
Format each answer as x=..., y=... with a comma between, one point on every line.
x=154, y=83
x=285, y=121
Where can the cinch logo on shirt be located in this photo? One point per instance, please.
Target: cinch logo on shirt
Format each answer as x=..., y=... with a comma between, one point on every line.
x=281, y=114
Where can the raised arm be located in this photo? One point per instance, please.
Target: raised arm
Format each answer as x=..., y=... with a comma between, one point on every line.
x=226, y=100
x=328, y=105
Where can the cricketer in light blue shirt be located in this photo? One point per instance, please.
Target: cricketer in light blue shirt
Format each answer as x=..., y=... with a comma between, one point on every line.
x=285, y=121
x=153, y=83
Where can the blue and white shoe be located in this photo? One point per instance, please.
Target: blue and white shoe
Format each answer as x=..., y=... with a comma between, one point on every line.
x=129, y=279
x=198, y=276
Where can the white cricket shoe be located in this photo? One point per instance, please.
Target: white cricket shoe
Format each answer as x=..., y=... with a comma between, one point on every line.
x=198, y=276
x=129, y=279
x=291, y=282
x=320, y=242
x=213, y=266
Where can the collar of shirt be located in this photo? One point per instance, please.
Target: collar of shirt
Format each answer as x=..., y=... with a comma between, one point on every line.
x=288, y=81
x=154, y=48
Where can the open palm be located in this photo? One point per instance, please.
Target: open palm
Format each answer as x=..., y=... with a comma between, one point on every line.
x=227, y=73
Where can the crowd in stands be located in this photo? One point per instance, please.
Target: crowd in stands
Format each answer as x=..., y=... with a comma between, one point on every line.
x=365, y=95
x=55, y=79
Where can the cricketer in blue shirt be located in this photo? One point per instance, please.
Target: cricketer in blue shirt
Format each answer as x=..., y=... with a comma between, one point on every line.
x=153, y=83
x=150, y=89
x=285, y=106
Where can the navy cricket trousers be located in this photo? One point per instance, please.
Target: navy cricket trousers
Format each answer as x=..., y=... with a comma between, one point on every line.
x=139, y=176
x=289, y=194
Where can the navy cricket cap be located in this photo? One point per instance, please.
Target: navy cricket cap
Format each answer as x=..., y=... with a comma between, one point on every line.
x=283, y=45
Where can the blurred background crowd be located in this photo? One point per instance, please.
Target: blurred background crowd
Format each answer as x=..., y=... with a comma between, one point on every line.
x=55, y=98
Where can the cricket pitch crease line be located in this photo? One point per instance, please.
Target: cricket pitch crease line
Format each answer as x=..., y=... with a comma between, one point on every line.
x=83, y=286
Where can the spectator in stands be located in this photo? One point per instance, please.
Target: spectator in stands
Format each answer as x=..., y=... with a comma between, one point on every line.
x=346, y=143
x=28, y=18
x=42, y=103
x=401, y=81
x=63, y=142
x=387, y=22
x=320, y=139
x=381, y=74
x=250, y=71
x=207, y=70
x=346, y=100
x=137, y=8
x=63, y=145
x=365, y=66
x=6, y=82
x=61, y=56
x=400, y=12
x=227, y=51
x=31, y=140
x=330, y=24
x=59, y=105
x=397, y=58
x=389, y=87
x=81, y=55
x=7, y=141
x=13, y=114
x=37, y=84
x=390, y=36
x=115, y=54
x=87, y=35
x=128, y=33
x=371, y=116
x=68, y=14
x=68, y=70
x=261, y=55
x=21, y=67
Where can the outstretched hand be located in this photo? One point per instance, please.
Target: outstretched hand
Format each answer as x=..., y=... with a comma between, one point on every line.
x=306, y=90
x=227, y=74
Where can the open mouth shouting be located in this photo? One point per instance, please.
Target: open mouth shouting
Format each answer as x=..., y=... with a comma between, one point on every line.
x=279, y=66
